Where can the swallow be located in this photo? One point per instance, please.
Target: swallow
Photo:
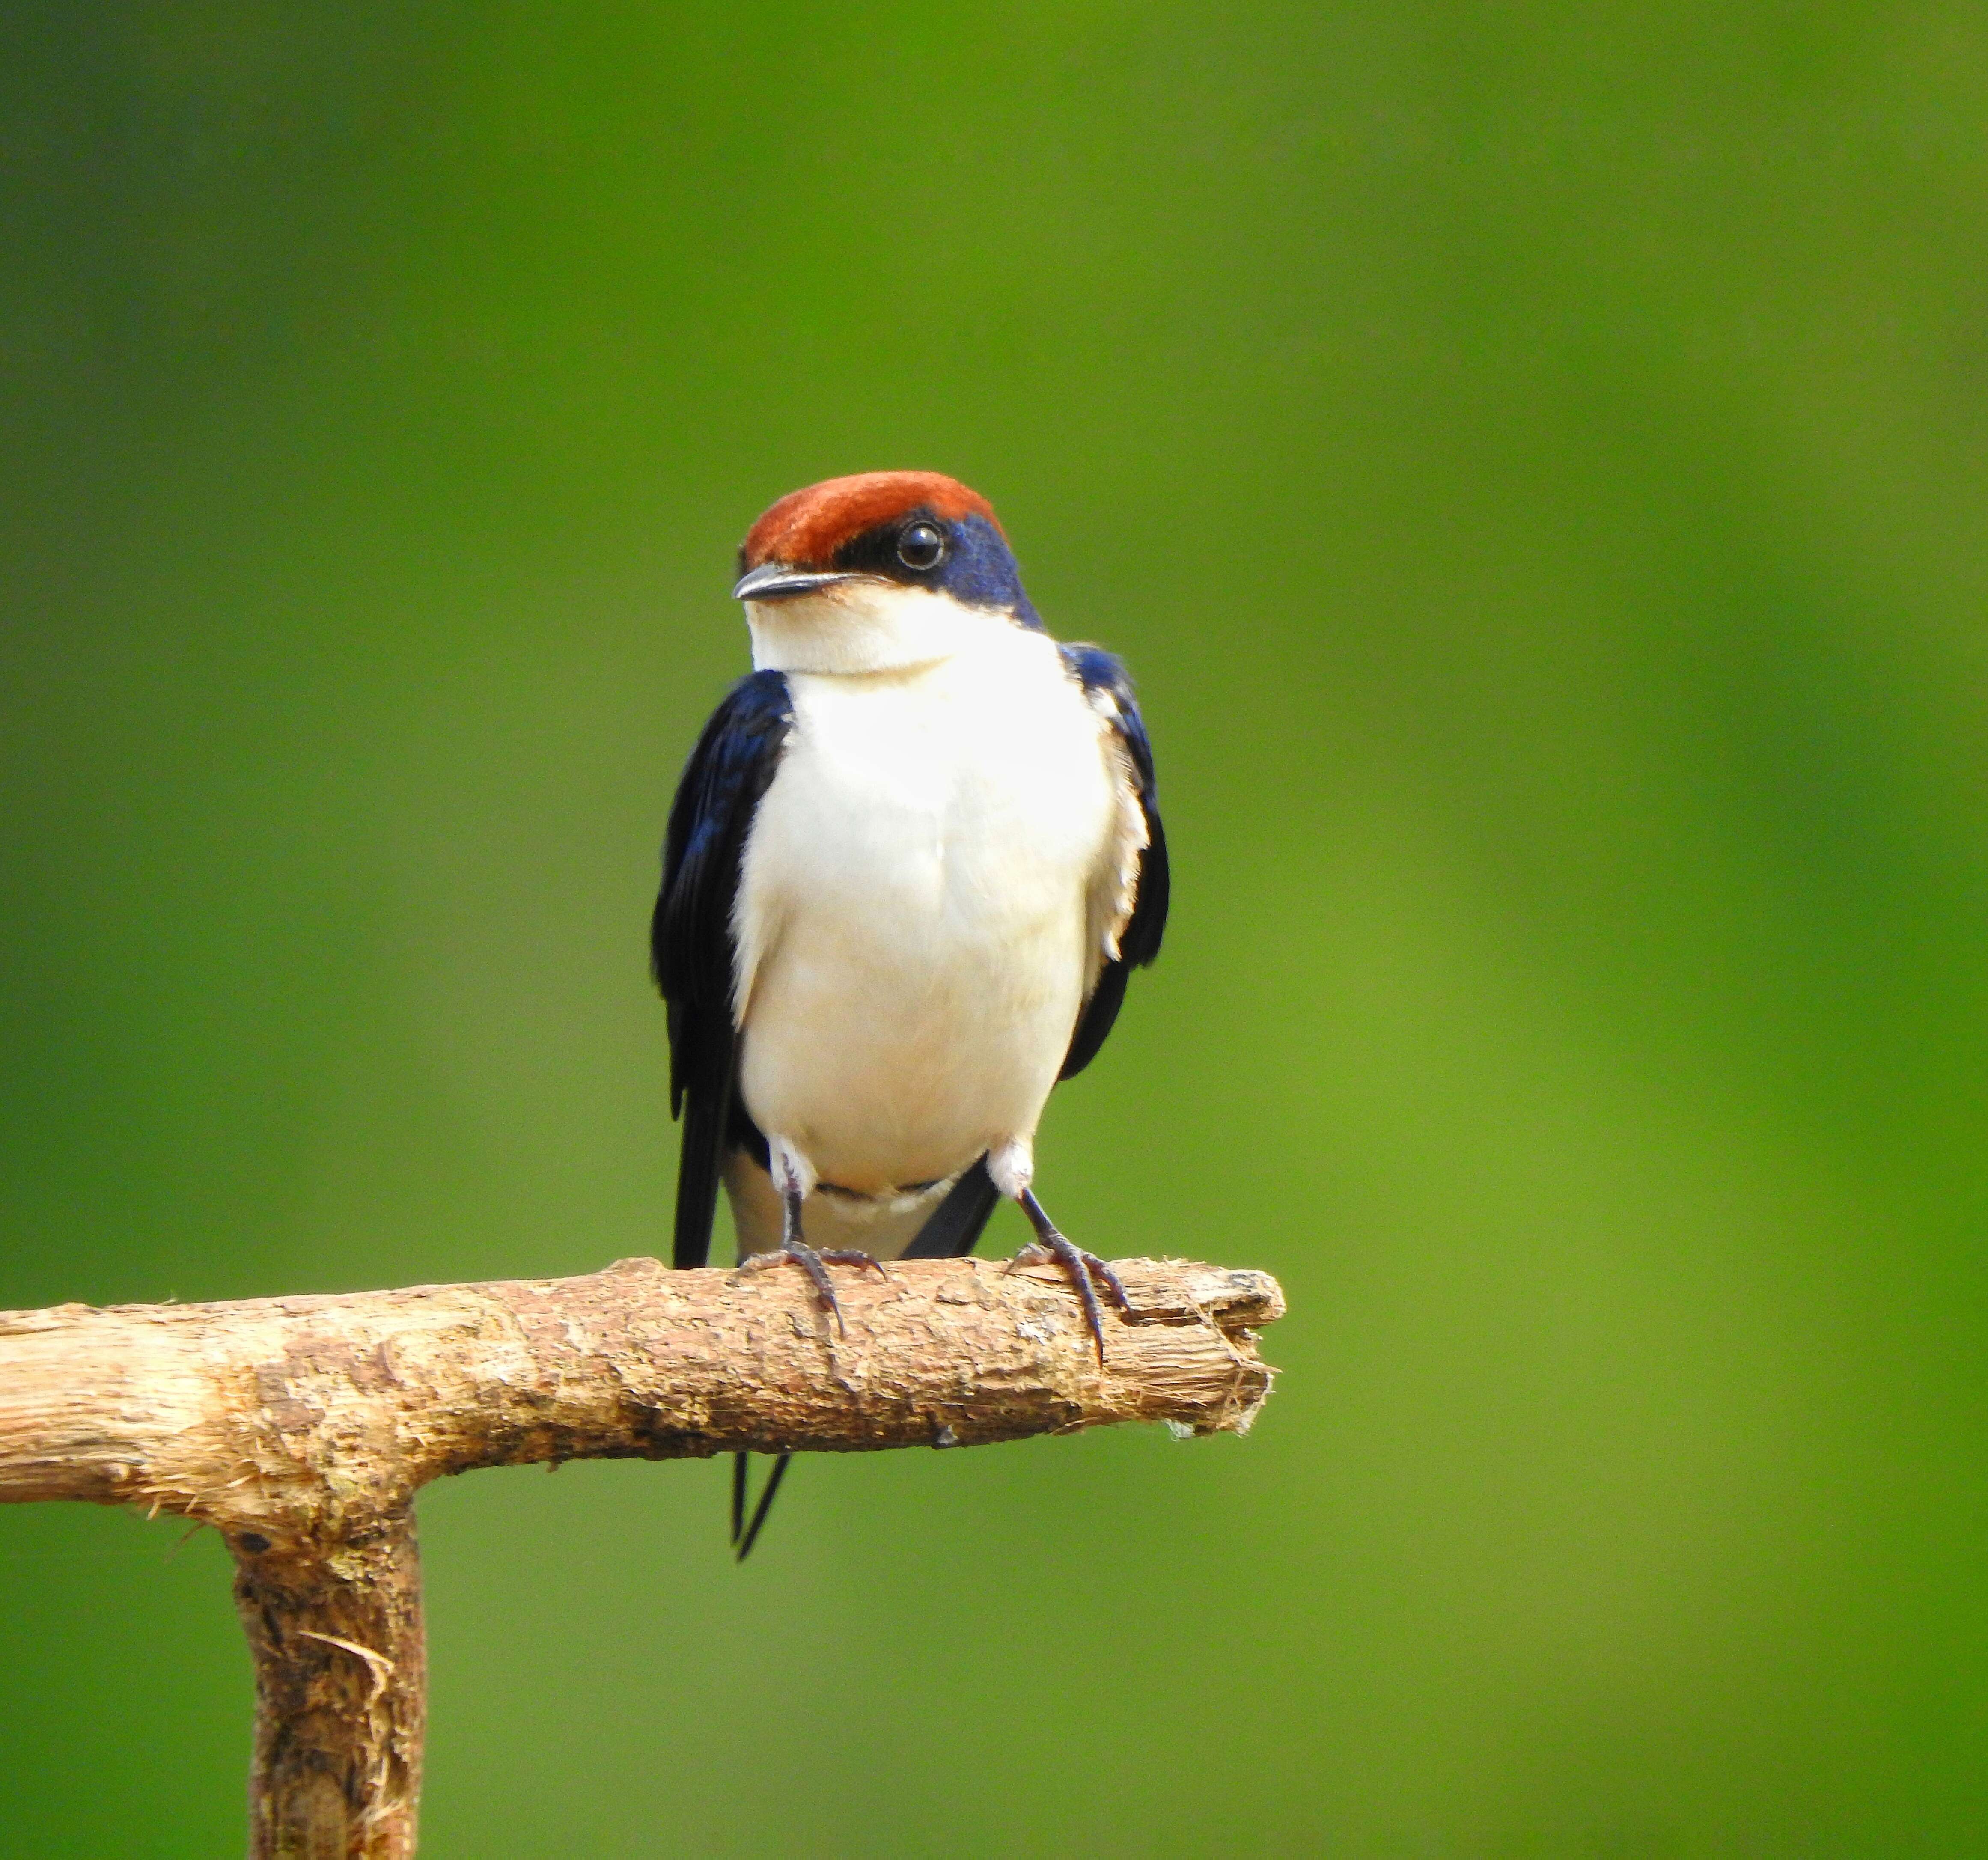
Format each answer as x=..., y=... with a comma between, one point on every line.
x=911, y=863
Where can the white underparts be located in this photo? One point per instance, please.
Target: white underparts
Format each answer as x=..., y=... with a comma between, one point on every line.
x=934, y=878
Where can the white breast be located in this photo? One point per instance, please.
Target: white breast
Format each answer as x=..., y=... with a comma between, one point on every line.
x=917, y=920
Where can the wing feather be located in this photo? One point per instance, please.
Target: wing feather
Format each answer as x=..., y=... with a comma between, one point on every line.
x=1136, y=917
x=691, y=941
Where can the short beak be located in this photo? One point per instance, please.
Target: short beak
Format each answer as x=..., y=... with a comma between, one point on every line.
x=772, y=582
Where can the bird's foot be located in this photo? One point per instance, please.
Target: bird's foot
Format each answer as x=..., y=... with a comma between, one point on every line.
x=1049, y=1247
x=816, y=1265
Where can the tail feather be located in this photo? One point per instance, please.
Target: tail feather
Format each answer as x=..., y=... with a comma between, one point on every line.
x=956, y=1225
x=953, y=1229
x=764, y=1505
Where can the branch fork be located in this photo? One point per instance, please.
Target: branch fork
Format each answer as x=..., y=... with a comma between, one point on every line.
x=303, y=1428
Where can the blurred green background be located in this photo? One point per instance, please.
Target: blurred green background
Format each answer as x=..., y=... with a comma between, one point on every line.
x=1535, y=460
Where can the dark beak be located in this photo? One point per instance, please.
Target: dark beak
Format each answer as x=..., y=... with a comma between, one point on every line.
x=772, y=582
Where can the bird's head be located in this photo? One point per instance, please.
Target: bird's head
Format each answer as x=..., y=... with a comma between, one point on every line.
x=876, y=573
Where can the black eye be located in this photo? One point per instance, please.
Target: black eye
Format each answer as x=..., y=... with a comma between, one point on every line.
x=921, y=546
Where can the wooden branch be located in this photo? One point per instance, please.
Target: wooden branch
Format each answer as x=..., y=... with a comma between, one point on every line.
x=301, y=1428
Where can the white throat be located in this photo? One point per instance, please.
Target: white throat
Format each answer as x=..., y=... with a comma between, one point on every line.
x=858, y=626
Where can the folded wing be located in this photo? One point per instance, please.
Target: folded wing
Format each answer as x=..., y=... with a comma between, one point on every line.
x=691, y=945
x=1110, y=690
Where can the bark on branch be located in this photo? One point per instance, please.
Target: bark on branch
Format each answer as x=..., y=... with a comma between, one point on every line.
x=301, y=1428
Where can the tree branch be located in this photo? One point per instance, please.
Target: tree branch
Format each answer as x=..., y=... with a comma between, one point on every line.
x=301, y=1428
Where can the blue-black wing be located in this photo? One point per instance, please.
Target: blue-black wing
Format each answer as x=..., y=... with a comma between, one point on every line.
x=1106, y=684
x=690, y=936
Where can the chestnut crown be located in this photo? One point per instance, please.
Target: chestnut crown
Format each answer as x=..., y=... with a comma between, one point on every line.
x=917, y=529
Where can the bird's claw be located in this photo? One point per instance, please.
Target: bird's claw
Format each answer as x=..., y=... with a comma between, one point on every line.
x=849, y=1256
x=816, y=1265
x=1050, y=1247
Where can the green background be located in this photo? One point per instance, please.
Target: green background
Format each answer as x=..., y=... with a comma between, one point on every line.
x=1535, y=459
